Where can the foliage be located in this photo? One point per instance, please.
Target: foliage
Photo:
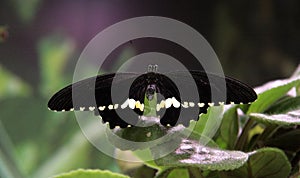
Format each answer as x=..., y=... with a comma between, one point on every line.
x=258, y=140
x=255, y=140
x=33, y=141
x=90, y=174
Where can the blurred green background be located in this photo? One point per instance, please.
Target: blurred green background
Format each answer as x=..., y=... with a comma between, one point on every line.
x=41, y=40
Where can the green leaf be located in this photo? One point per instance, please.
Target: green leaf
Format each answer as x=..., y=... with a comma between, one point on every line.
x=280, y=141
x=9, y=167
x=271, y=92
x=150, y=106
x=289, y=119
x=11, y=85
x=88, y=173
x=266, y=162
x=29, y=122
x=297, y=74
x=144, y=172
x=54, y=52
x=230, y=127
x=73, y=154
x=208, y=124
x=147, y=157
x=285, y=105
x=179, y=172
x=140, y=136
x=26, y=10
x=191, y=153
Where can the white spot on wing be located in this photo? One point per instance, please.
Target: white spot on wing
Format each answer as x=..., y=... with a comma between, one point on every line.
x=110, y=107
x=185, y=104
x=176, y=103
x=138, y=105
x=201, y=105
x=162, y=104
x=116, y=106
x=168, y=102
x=191, y=104
x=157, y=107
x=125, y=104
x=91, y=108
x=101, y=108
x=211, y=104
x=131, y=103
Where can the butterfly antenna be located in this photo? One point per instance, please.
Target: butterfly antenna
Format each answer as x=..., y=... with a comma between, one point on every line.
x=153, y=68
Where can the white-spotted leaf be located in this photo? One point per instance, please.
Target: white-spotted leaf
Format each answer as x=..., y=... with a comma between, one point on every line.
x=191, y=153
x=289, y=119
x=271, y=92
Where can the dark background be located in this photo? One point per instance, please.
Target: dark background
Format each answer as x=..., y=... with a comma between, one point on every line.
x=256, y=41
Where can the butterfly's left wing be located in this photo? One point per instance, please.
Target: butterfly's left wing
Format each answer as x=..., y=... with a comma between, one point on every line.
x=104, y=94
x=95, y=94
x=211, y=90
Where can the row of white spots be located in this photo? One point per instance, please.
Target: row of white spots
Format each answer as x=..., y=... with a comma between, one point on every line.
x=132, y=104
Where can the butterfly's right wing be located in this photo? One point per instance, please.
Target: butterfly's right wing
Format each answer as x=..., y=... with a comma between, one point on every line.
x=236, y=91
x=95, y=94
x=211, y=90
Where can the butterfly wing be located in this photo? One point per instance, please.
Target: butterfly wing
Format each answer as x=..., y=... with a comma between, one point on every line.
x=94, y=94
x=236, y=91
x=99, y=85
x=225, y=90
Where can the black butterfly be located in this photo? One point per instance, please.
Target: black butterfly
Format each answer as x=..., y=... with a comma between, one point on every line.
x=118, y=111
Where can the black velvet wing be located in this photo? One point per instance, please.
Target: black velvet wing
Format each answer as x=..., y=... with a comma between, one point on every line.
x=104, y=94
x=95, y=94
x=225, y=90
x=236, y=91
x=86, y=91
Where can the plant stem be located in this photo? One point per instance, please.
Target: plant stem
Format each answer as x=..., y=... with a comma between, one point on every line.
x=242, y=140
x=194, y=172
x=163, y=173
x=9, y=167
x=268, y=132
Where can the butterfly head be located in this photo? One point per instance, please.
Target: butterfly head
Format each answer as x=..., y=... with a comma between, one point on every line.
x=150, y=91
